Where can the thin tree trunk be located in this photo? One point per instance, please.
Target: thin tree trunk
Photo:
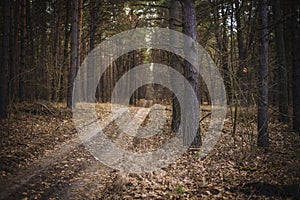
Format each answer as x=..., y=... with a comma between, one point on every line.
x=44, y=72
x=224, y=56
x=74, y=53
x=30, y=37
x=79, y=47
x=241, y=53
x=5, y=60
x=91, y=70
x=281, y=61
x=57, y=52
x=80, y=15
x=62, y=94
x=22, y=53
x=12, y=51
x=174, y=62
x=296, y=66
x=262, y=118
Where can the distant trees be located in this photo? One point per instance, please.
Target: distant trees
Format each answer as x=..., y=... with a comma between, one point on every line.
x=44, y=42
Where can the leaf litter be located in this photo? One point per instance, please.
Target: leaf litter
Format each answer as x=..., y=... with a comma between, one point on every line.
x=43, y=158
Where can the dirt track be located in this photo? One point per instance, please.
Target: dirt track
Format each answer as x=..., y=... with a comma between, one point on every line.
x=34, y=166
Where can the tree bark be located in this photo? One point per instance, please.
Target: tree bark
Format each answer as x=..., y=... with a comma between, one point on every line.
x=74, y=53
x=262, y=118
x=174, y=24
x=5, y=60
x=62, y=94
x=296, y=65
x=241, y=50
x=15, y=50
x=57, y=52
x=281, y=61
x=22, y=53
x=191, y=74
x=29, y=33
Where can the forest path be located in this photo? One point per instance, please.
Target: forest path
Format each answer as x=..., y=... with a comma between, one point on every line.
x=61, y=172
x=61, y=167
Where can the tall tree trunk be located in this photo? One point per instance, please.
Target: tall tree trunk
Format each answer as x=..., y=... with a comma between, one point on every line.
x=57, y=52
x=22, y=53
x=74, y=53
x=79, y=38
x=79, y=47
x=29, y=33
x=191, y=74
x=174, y=62
x=296, y=65
x=5, y=60
x=242, y=81
x=15, y=51
x=224, y=56
x=62, y=94
x=13, y=38
x=90, y=69
x=262, y=118
x=281, y=61
x=44, y=71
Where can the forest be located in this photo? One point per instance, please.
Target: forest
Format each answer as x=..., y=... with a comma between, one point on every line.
x=161, y=99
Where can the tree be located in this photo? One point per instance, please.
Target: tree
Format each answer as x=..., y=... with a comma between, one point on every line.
x=281, y=62
x=220, y=12
x=57, y=54
x=241, y=48
x=191, y=74
x=90, y=70
x=5, y=60
x=74, y=53
x=296, y=64
x=62, y=94
x=22, y=67
x=262, y=116
x=174, y=24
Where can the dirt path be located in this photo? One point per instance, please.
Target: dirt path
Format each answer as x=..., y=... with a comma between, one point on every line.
x=231, y=171
x=66, y=168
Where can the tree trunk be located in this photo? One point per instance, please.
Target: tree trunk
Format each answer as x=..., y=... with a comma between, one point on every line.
x=174, y=62
x=62, y=94
x=90, y=69
x=281, y=61
x=22, y=56
x=296, y=66
x=74, y=53
x=80, y=15
x=242, y=81
x=57, y=52
x=91, y=86
x=191, y=74
x=15, y=51
x=224, y=56
x=262, y=118
x=5, y=60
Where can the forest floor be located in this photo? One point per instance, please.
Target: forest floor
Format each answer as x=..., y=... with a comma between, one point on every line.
x=42, y=157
